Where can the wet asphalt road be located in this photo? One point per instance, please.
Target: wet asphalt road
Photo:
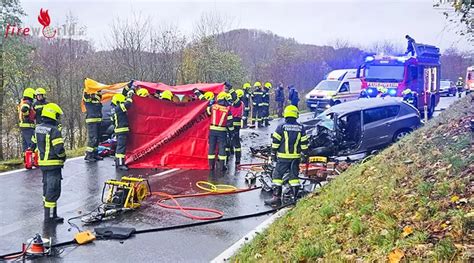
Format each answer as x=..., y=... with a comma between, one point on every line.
x=21, y=210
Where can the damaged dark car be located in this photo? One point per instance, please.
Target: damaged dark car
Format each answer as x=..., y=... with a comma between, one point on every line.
x=361, y=126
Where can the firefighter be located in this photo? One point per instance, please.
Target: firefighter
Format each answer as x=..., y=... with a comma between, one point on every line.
x=280, y=99
x=231, y=92
x=256, y=102
x=289, y=143
x=221, y=124
x=27, y=116
x=460, y=86
x=246, y=100
x=93, y=104
x=208, y=95
x=119, y=118
x=166, y=95
x=265, y=105
x=143, y=93
x=50, y=144
x=237, y=110
x=409, y=97
x=293, y=96
x=410, y=45
x=39, y=103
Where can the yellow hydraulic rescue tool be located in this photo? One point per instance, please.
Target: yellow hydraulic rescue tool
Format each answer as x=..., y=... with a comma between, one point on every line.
x=128, y=193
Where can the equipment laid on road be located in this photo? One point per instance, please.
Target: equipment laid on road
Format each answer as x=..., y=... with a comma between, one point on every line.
x=119, y=196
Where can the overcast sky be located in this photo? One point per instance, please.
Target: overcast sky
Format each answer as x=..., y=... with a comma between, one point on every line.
x=319, y=22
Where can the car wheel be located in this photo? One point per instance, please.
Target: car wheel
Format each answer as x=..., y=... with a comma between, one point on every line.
x=400, y=134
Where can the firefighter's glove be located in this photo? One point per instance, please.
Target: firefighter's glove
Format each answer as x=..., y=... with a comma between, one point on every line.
x=130, y=93
x=196, y=91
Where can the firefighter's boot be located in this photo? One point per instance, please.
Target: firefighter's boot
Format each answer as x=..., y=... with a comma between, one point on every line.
x=294, y=191
x=276, y=199
x=55, y=217
x=212, y=164
x=90, y=157
x=121, y=164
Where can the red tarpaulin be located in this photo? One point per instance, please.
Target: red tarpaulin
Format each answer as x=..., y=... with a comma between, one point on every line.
x=167, y=134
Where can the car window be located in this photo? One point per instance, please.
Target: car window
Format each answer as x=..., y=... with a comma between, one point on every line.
x=376, y=114
x=344, y=87
x=392, y=111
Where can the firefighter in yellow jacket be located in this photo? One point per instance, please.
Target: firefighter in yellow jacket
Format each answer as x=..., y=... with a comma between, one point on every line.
x=290, y=144
x=26, y=118
x=50, y=145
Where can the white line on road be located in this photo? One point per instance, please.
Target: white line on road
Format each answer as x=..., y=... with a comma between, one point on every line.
x=164, y=172
x=23, y=169
x=228, y=253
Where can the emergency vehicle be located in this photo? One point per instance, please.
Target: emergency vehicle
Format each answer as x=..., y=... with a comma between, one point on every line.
x=395, y=74
x=339, y=86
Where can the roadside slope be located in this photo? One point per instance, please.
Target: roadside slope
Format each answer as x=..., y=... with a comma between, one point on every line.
x=413, y=201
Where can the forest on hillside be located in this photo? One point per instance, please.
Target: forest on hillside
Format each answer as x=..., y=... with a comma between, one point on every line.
x=143, y=51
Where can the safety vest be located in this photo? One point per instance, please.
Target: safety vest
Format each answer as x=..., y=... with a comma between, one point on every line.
x=289, y=140
x=221, y=118
x=120, y=118
x=237, y=112
x=459, y=83
x=93, y=104
x=50, y=145
x=265, y=98
x=26, y=114
x=257, y=97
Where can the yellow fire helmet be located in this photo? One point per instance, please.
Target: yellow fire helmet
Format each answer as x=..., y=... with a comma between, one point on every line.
x=291, y=111
x=222, y=95
x=268, y=85
x=52, y=111
x=257, y=84
x=40, y=91
x=246, y=85
x=117, y=98
x=209, y=95
x=29, y=93
x=239, y=93
x=166, y=95
x=141, y=92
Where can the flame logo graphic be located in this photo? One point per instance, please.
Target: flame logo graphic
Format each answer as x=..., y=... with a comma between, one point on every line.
x=43, y=18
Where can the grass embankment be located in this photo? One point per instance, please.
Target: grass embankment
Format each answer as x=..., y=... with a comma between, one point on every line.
x=14, y=164
x=411, y=202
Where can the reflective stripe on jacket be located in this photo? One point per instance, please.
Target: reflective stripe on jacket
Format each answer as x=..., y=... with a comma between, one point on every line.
x=26, y=114
x=221, y=118
x=93, y=104
x=120, y=118
x=289, y=140
x=50, y=144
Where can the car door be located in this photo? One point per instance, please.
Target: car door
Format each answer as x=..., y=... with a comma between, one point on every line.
x=376, y=128
x=344, y=92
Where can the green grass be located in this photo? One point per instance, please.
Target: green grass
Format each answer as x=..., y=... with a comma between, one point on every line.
x=13, y=164
x=361, y=214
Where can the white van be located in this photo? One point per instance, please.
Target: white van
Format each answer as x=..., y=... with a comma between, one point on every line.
x=339, y=86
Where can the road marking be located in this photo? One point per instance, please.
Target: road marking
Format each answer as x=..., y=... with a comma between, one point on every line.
x=229, y=252
x=164, y=172
x=23, y=169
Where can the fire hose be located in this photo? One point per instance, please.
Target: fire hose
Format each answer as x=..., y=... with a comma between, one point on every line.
x=210, y=190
